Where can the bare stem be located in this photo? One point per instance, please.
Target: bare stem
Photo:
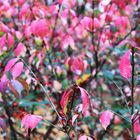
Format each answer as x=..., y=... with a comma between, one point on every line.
x=132, y=90
x=122, y=95
x=43, y=88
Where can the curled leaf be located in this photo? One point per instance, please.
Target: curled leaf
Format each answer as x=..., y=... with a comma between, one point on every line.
x=64, y=101
x=67, y=96
x=85, y=100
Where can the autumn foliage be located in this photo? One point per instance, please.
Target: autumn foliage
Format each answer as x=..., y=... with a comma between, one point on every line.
x=69, y=69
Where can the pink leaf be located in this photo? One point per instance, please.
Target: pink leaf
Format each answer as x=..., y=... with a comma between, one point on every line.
x=87, y=23
x=17, y=69
x=68, y=41
x=3, y=86
x=125, y=65
x=19, y=35
x=20, y=48
x=10, y=64
x=84, y=137
x=66, y=96
x=4, y=78
x=30, y=121
x=137, y=125
x=10, y=40
x=85, y=100
x=106, y=118
x=3, y=124
x=2, y=42
x=76, y=65
x=74, y=118
x=138, y=137
x=39, y=28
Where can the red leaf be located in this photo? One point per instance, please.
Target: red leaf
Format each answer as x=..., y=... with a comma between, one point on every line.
x=64, y=101
x=125, y=65
x=66, y=96
x=76, y=65
x=85, y=100
x=106, y=118
x=17, y=69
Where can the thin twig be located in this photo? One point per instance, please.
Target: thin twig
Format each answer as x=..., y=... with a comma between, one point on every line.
x=120, y=116
x=45, y=91
x=123, y=96
x=132, y=90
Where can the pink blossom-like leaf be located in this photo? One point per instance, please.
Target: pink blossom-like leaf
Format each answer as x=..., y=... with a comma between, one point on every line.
x=125, y=65
x=85, y=100
x=30, y=121
x=105, y=118
x=17, y=69
x=10, y=64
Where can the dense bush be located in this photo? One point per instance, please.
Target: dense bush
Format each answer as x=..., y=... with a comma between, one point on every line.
x=69, y=69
